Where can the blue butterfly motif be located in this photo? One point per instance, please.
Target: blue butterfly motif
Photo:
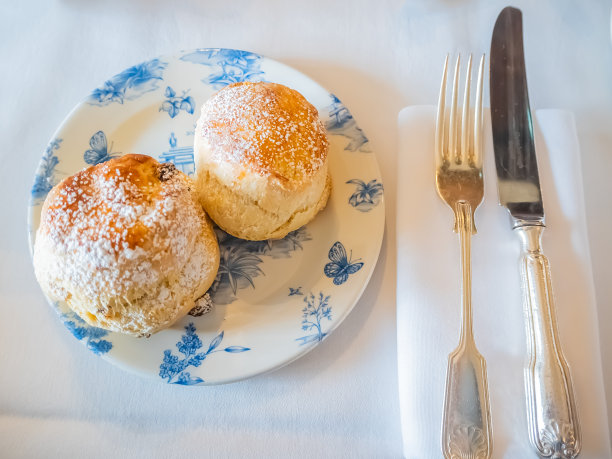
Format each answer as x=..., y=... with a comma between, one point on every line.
x=295, y=291
x=340, y=267
x=99, y=151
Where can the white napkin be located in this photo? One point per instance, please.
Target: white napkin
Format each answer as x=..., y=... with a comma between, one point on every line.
x=428, y=289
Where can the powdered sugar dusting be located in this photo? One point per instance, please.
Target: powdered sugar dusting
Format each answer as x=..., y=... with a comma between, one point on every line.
x=116, y=229
x=270, y=128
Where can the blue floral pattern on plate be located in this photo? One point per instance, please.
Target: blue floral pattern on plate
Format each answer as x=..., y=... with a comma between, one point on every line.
x=255, y=295
x=340, y=267
x=99, y=152
x=45, y=178
x=129, y=84
x=241, y=260
x=366, y=195
x=172, y=140
x=316, y=309
x=341, y=122
x=174, y=104
x=173, y=368
x=82, y=331
x=181, y=157
x=229, y=65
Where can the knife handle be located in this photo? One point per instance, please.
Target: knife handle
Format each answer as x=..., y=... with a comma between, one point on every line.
x=551, y=407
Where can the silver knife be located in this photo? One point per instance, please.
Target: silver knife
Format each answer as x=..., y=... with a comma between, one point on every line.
x=551, y=408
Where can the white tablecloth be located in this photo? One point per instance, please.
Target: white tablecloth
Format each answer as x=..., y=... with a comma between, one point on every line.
x=58, y=400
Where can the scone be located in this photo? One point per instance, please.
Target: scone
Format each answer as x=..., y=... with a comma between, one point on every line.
x=261, y=160
x=126, y=245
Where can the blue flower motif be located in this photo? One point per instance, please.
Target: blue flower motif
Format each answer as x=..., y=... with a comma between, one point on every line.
x=79, y=332
x=100, y=347
x=341, y=122
x=129, y=84
x=231, y=65
x=366, y=195
x=109, y=92
x=99, y=151
x=316, y=309
x=185, y=379
x=45, y=178
x=173, y=104
x=339, y=266
x=295, y=291
x=240, y=260
x=172, y=367
x=83, y=331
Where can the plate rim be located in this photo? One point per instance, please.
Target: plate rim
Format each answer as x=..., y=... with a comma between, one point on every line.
x=376, y=242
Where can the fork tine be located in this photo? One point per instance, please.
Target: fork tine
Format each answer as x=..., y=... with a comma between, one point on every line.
x=465, y=117
x=478, y=121
x=440, y=150
x=454, y=122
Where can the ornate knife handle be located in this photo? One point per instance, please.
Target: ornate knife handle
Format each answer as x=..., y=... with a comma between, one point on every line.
x=551, y=408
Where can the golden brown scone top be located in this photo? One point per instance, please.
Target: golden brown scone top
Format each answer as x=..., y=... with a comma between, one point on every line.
x=268, y=127
x=102, y=202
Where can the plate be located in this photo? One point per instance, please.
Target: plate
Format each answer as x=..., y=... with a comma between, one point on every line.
x=272, y=301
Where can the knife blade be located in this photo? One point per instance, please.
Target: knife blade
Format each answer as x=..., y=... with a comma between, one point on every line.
x=518, y=182
x=552, y=416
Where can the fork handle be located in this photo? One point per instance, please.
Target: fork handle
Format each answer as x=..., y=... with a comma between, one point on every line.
x=551, y=408
x=466, y=423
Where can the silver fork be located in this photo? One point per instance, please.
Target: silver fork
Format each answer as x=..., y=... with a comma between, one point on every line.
x=466, y=427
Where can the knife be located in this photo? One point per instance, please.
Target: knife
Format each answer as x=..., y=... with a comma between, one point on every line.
x=551, y=408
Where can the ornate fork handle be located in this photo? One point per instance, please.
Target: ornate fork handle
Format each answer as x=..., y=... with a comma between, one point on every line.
x=551, y=409
x=466, y=428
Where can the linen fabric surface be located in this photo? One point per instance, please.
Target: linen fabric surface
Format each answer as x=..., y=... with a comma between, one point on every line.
x=429, y=289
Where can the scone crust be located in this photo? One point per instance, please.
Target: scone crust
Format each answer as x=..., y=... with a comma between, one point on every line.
x=261, y=157
x=126, y=245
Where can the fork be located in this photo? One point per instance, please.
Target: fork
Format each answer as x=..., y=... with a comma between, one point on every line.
x=466, y=426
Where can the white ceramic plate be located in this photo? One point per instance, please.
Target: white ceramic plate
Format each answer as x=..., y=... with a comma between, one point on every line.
x=273, y=300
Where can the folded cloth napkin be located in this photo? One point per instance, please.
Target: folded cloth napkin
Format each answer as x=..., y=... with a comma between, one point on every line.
x=428, y=289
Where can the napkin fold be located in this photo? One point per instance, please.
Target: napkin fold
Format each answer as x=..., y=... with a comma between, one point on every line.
x=428, y=289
